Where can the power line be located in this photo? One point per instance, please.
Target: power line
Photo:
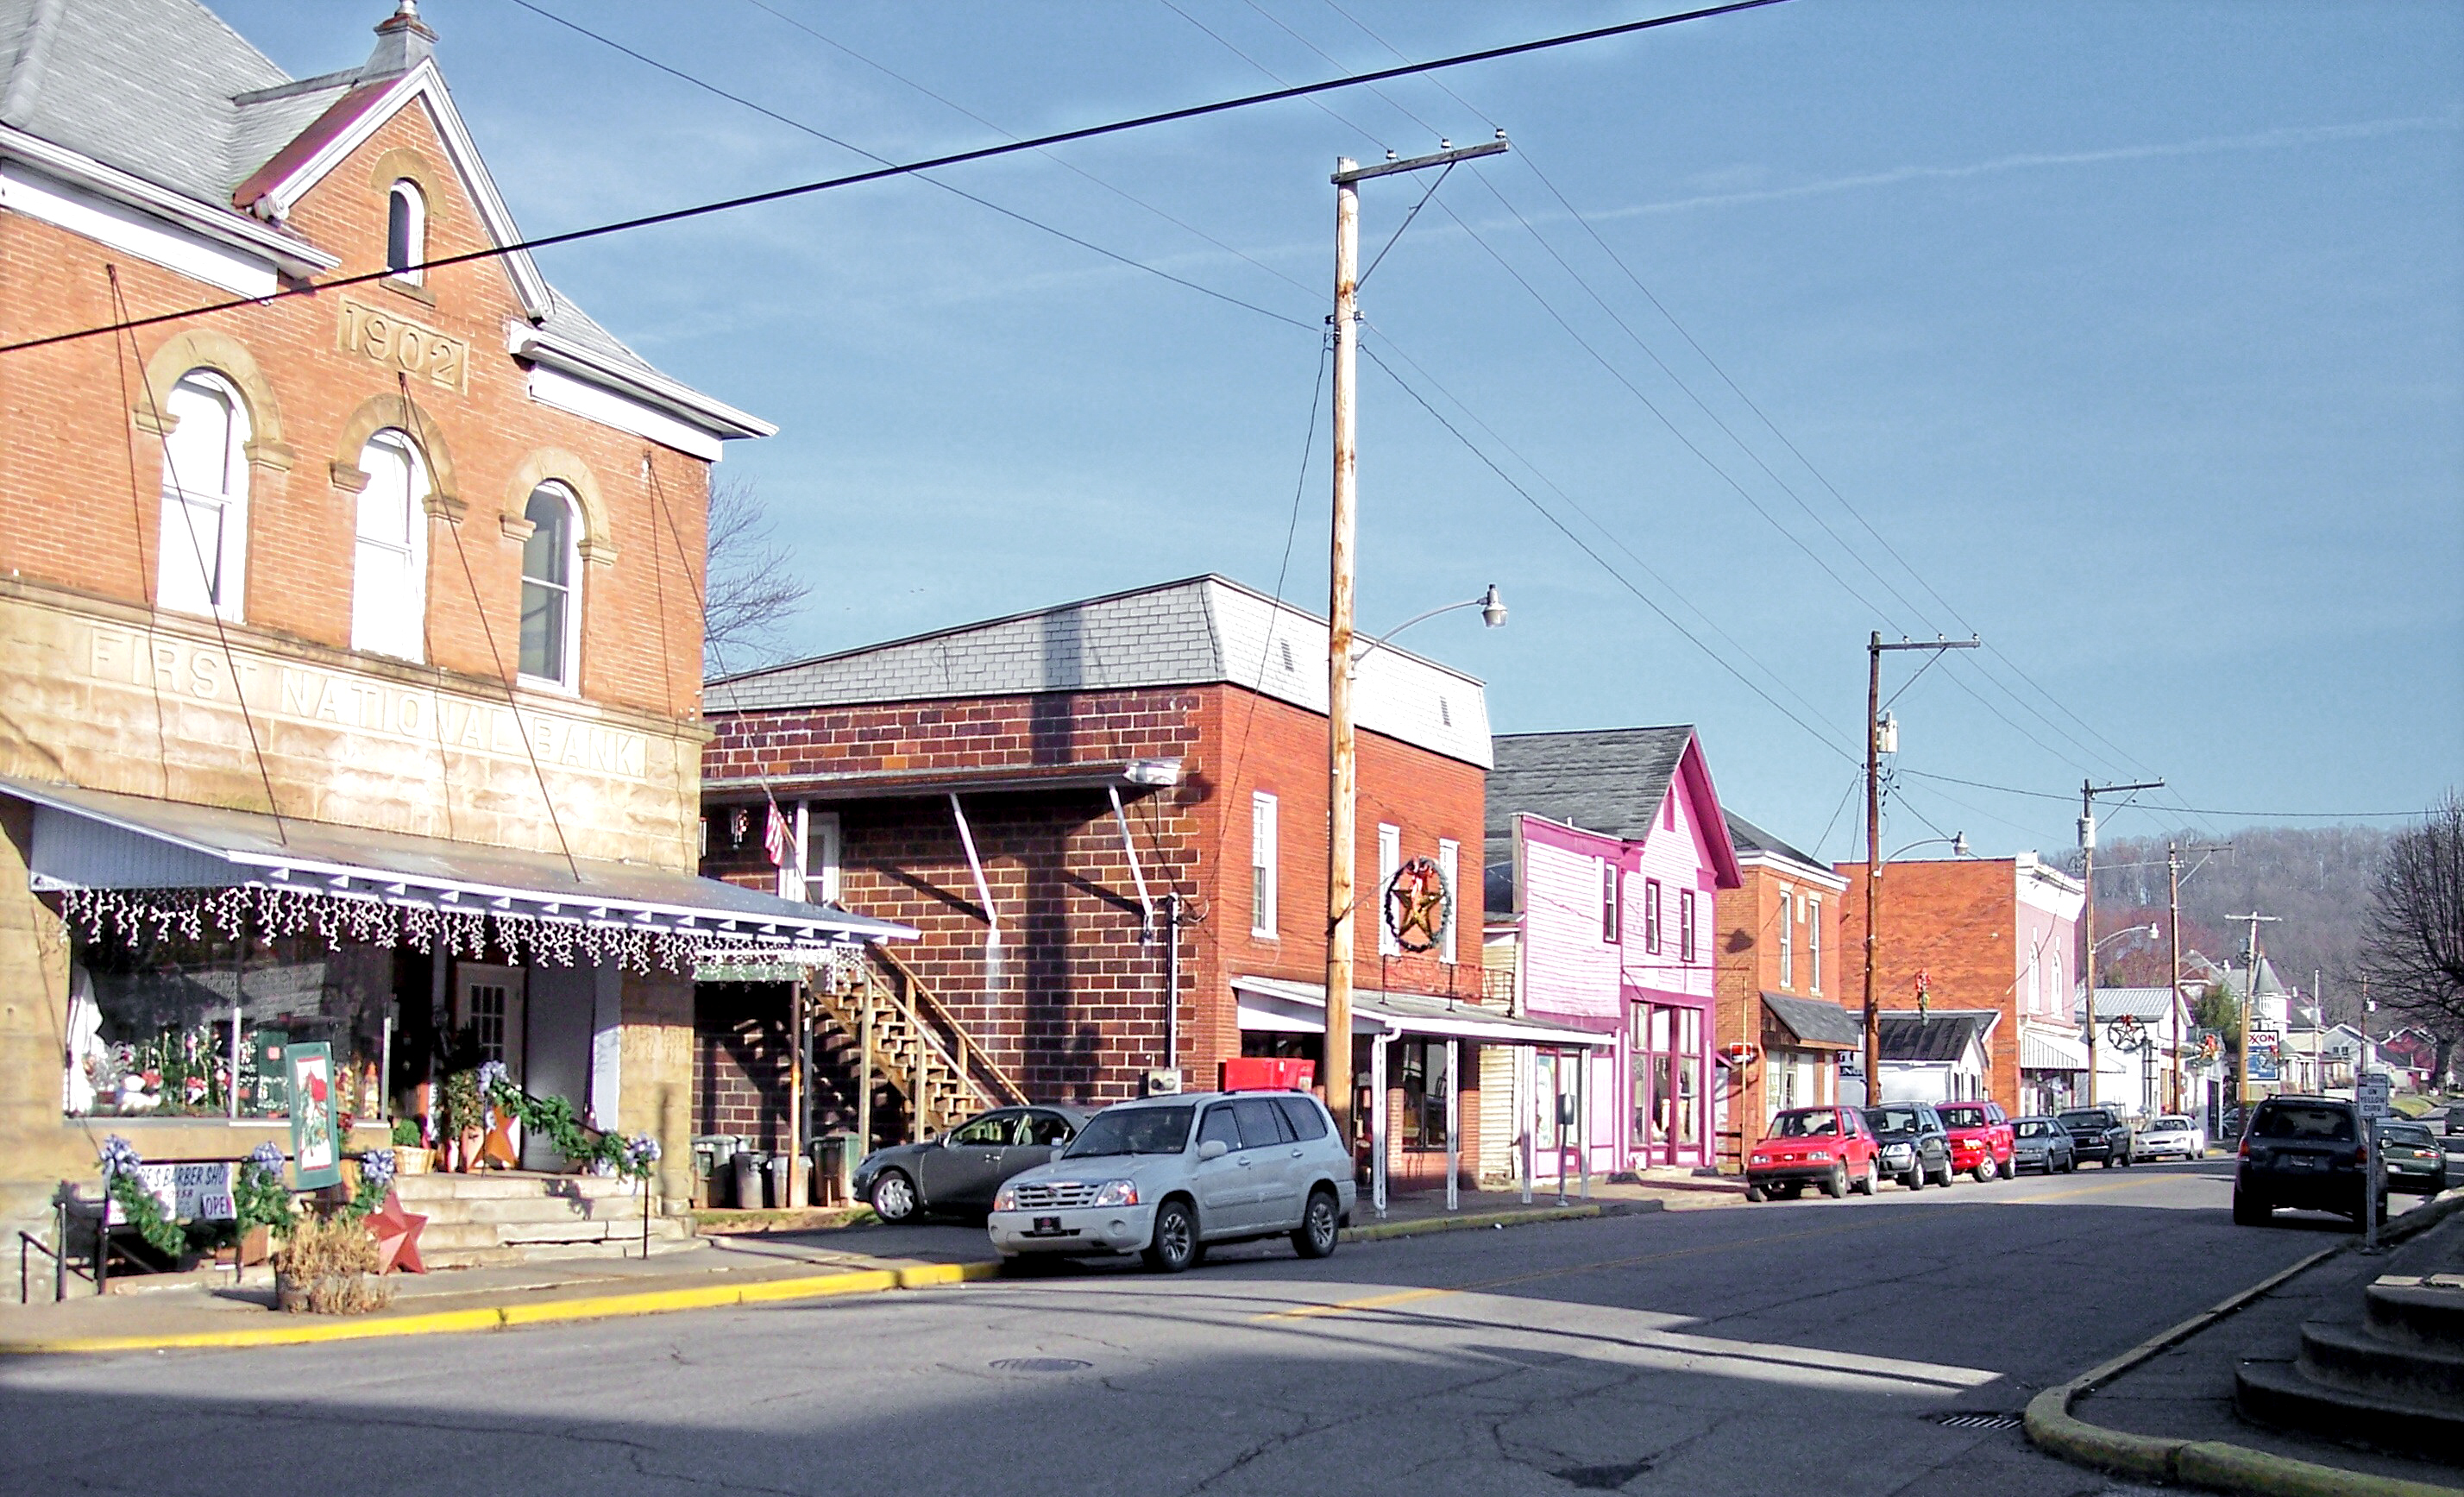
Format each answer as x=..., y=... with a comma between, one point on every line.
x=2159, y=805
x=909, y=169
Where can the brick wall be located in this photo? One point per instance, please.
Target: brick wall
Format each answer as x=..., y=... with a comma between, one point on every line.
x=1745, y=950
x=1955, y=923
x=741, y=1062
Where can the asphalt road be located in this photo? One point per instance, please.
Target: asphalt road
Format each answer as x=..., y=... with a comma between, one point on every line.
x=1813, y=1347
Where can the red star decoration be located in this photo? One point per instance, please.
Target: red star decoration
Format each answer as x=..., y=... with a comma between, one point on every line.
x=397, y=1235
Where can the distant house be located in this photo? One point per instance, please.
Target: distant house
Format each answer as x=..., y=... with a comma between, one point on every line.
x=2152, y=1080
x=1936, y=1056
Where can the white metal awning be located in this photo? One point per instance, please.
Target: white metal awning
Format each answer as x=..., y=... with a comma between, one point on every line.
x=2051, y=1052
x=1278, y=1005
x=90, y=842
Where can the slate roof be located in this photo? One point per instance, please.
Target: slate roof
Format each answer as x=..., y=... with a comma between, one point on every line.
x=1196, y=631
x=1940, y=1036
x=1812, y=1020
x=1750, y=839
x=166, y=91
x=1611, y=780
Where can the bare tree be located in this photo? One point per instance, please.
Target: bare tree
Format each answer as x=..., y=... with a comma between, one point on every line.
x=753, y=586
x=2414, y=954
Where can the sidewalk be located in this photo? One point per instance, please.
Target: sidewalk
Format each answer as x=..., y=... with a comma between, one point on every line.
x=2186, y=1392
x=765, y=1257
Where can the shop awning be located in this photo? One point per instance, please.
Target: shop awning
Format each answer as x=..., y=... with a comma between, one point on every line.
x=2051, y=1052
x=1278, y=1005
x=1128, y=776
x=89, y=840
x=1816, y=1024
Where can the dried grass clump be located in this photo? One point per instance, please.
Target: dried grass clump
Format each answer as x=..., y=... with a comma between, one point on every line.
x=328, y=1266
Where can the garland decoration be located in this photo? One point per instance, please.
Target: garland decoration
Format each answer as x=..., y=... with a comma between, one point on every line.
x=376, y=1181
x=145, y=1212
x=606, y=1153
x=258, y=1196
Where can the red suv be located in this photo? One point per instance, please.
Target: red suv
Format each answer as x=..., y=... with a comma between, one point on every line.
x=1980, y=1138
x=1825, y=1146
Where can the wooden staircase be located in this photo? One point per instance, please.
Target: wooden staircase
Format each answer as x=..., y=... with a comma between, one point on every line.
x=919, y=1053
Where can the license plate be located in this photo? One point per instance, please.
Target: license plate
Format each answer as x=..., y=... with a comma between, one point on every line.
x=1047, y=1225
x=2304, y=1161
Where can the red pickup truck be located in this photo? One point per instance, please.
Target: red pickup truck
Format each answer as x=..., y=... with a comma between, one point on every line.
x=1825, y=1146
x=1981, y=1140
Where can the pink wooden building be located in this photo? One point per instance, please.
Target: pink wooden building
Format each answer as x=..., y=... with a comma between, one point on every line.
x=1611, y=848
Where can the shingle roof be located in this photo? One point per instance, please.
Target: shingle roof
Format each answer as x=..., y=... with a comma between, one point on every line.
x=1813, y=1019
x=1196, y=631
x=1612, y=780
x=1944, y=1036
x=1750, y=839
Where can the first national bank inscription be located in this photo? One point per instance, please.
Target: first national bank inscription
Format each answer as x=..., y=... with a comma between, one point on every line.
x=292, y=692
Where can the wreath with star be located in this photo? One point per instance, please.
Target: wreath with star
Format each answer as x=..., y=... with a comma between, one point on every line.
x=1418, y=905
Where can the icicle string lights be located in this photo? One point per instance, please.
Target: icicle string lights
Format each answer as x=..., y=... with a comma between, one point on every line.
x=359, y=919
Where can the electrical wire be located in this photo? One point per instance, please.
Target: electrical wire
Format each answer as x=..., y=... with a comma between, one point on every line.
x=800, y=189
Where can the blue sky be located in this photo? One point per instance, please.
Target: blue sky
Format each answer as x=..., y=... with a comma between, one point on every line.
x=2129, y=335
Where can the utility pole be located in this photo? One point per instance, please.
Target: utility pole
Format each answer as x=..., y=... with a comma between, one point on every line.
x=1342, y=768
x=2089, y=790
x=1874, y=751
x=2173, y=969
x=2249, y=1007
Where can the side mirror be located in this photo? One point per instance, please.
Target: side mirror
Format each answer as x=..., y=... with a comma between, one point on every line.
x=1213, y=1149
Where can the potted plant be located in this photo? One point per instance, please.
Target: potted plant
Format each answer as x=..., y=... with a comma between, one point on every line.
x=411, y=1156
x=466, y=1117
x=328, y=1267
x=262, y=1204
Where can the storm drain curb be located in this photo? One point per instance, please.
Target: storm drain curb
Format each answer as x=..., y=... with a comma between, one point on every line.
x=2210, y=1464
x=301, y=1332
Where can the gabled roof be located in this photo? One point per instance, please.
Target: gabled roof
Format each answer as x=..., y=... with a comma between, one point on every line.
x=1944, y=1035
x=1753, y=844
x=1611, y=780
x=1196, y=631
x=1816, y=1021
x=161, y=106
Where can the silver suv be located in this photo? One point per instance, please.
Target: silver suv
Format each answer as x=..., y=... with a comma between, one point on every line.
x=1168, y=1176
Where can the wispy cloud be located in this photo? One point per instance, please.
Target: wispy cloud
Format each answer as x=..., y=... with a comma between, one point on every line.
x=2264, y=140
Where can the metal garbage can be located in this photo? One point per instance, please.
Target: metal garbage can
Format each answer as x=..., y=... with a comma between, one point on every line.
x=833, y=1162
x=781, y=1179
x=745, y=1168
x=712, y=1152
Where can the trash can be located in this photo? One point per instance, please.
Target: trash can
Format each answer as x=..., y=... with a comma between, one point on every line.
x=833, y=1159
x=712, y=1152
x=781, y=1173
x=745, y=1166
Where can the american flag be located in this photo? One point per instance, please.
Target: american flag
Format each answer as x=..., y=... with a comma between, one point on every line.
x=776, y=838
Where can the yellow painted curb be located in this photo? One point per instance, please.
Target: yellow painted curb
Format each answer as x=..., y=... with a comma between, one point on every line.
x=653, y=1302
x=2214, y=1464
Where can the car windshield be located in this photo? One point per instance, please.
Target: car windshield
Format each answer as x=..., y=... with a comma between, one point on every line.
x=2036, y=1127
x=2170, y=1125
x=1805, y=1125
x=1892, y=1119
x=1962, y=1116
x=1134, y=1129
x=2406, y=1132
x=2329, y=1124
x=2085, y=1118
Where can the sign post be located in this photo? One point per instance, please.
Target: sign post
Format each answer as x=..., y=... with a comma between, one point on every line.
x=2370, y=1094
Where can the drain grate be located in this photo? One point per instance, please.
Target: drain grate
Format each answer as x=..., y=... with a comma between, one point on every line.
x=1977, y=1420
x=1040, y=1364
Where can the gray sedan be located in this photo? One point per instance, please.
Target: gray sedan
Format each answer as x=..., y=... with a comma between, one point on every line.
x=2042, y=1143
x=959, y=1172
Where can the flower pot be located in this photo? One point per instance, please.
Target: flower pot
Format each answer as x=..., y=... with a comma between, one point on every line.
x=330, y=1295
x=255, y=1246
x=410, y=1162
x=469, y=1143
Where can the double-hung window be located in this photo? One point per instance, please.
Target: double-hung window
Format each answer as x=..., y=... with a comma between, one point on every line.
x=405, y=230
x=1610, y=912
x=1450, y=868
x=1813, y=943
x=551, y=619
x=390, y=561
x=202, y=550
x=1787, y=939
x=1262, y=864
x=1651, y=916
x=1685, y=926
x=1390, y=858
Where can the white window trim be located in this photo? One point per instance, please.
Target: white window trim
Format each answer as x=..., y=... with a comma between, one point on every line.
x=1389, y=857
x=811, y=873
x=1788, y=938
x=1814, y=944
x=416, y=533
x=1266, y=862
x=230, y=494
x=1449, y=868
x=415, y=243
x=1610, y=885
x=570, y=684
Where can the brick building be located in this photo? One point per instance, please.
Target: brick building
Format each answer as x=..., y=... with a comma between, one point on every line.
x=346, y=632
x=1781, y=975
x=1995, y=940
x=1071, y=806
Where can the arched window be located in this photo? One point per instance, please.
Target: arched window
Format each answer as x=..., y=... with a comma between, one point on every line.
x=390, y=564
x=551, y=612
x=406, y=230
x=203, y=541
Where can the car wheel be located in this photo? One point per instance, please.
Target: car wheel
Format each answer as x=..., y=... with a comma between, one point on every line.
x=1319, y=1230
x=1985, y=1172
x=1835, y=1183
x=2011, y=1168
x=1176, y=1239
x=2108, y=1161
x=1914, y=1179
x=1947, y=1177
x=1870, y=1181
x=2249, y=1211
x=894, y=1197
x=1755, y=1193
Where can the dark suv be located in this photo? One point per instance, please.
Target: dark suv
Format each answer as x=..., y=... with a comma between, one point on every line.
x=2098, y=1133
x=1916, y=1148
x=2300, y=1152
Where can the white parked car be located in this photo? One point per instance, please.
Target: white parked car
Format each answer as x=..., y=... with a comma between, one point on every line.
x=2173, y=1137
x=1168, y=1176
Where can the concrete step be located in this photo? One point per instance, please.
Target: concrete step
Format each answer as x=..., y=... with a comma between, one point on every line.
x=2350, y=1358
x=2420, y=1315
x=505, y=1184
x=2276, y=1394
x=520, y=1233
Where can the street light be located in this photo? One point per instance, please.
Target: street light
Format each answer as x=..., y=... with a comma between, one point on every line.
x=1958, y=841
x=1492, y=614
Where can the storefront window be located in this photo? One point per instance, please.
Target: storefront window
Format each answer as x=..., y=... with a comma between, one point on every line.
x=1422, y=1124
x=156, y=1025
x=1668, y=1080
